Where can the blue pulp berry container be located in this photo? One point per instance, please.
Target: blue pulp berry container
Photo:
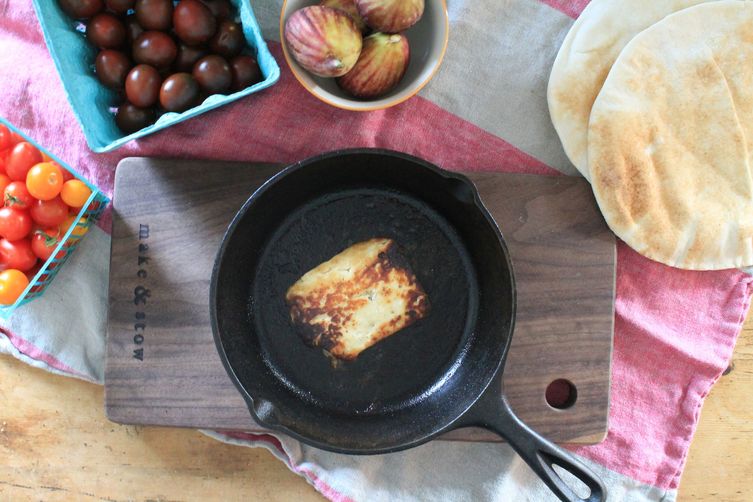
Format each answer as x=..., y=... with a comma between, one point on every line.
x=86, y=217
x=93, y=103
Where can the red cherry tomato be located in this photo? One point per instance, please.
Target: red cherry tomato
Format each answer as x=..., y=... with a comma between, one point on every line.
x=16, y=194
x=5, y=138
x=49, y=213
x=15, y=139
x=67, y=176
x=15, y=223
x=4, y=182
x=17, y=254
x=33, y=271
x=22, y=158
x=43, y=242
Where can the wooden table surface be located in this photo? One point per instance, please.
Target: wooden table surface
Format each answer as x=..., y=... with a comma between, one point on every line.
x=56, y=444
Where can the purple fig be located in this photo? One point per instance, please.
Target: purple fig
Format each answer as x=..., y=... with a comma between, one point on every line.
x=348, y=7
x=380, y=68
x=323, y=40
x=390, y=16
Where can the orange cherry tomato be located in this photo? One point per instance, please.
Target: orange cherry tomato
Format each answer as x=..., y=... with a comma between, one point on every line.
x=44, y=181
x=69, y=222
x=23, y=157
x=12, y=284
x=75, y=193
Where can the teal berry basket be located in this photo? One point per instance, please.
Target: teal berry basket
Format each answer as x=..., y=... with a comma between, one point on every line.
x=86, y=217
x=94, y=104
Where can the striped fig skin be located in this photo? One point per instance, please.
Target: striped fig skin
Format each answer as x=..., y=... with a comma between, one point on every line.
x=348, y=7
x=380, y=68
x=391, y=16
x=323, y=40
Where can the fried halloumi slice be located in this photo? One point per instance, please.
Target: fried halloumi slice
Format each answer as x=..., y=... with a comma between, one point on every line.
x=356, y=299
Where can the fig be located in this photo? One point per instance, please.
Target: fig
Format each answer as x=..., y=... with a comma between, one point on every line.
x=390, y=16
x=348, y=7
x=323, y=40
x=380, y=68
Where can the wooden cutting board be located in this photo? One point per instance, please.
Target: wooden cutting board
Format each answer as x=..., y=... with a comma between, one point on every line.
x=169, y=216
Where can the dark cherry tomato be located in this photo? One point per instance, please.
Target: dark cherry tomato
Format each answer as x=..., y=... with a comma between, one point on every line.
x=154, y=14
x=229, y=39
x=154, y=48
x=81, y=9
x=142, y=85
x=112, y=68
x=106, y=31
x=17, y=195
x=133, y=28
x=187, y=57
x=179, y=92
x=213, y=74
x=131, y=118
x=49, y=213
x=193, y=22
x=17, y=254
x=22, y=158
x=120, y=6
x=15, y=223
x=246, y=72
x=221, y=9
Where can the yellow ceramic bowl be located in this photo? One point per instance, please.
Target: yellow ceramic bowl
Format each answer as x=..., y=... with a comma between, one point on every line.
x=428, y=43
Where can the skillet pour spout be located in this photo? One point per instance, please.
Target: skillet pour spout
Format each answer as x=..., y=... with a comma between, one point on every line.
x=439, y=373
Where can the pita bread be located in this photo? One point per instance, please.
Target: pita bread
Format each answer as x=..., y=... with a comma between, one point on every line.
x=585, y=58
x=671, y=135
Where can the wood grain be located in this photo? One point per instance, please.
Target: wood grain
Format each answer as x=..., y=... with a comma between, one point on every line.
x=563, y=255
x=57, y=445
x=720, y=465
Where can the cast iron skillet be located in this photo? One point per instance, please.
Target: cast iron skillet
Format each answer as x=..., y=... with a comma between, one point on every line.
x=441, y=373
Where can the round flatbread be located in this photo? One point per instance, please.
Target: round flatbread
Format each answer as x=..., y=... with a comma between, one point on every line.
x=671, y=136
x=585, y=58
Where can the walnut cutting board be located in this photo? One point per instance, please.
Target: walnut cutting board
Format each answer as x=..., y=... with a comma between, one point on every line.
x=169, y=216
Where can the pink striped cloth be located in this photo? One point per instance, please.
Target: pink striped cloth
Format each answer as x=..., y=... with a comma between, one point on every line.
x=674, y=330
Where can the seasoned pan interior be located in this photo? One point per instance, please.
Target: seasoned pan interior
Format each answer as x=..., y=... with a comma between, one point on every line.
x=401, y=367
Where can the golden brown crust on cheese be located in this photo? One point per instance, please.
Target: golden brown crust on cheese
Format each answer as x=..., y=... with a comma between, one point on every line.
x=357, y=298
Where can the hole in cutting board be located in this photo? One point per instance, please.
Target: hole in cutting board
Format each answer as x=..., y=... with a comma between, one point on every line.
x=561, y=394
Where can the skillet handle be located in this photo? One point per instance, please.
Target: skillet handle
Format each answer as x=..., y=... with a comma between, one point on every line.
x=539, y=453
